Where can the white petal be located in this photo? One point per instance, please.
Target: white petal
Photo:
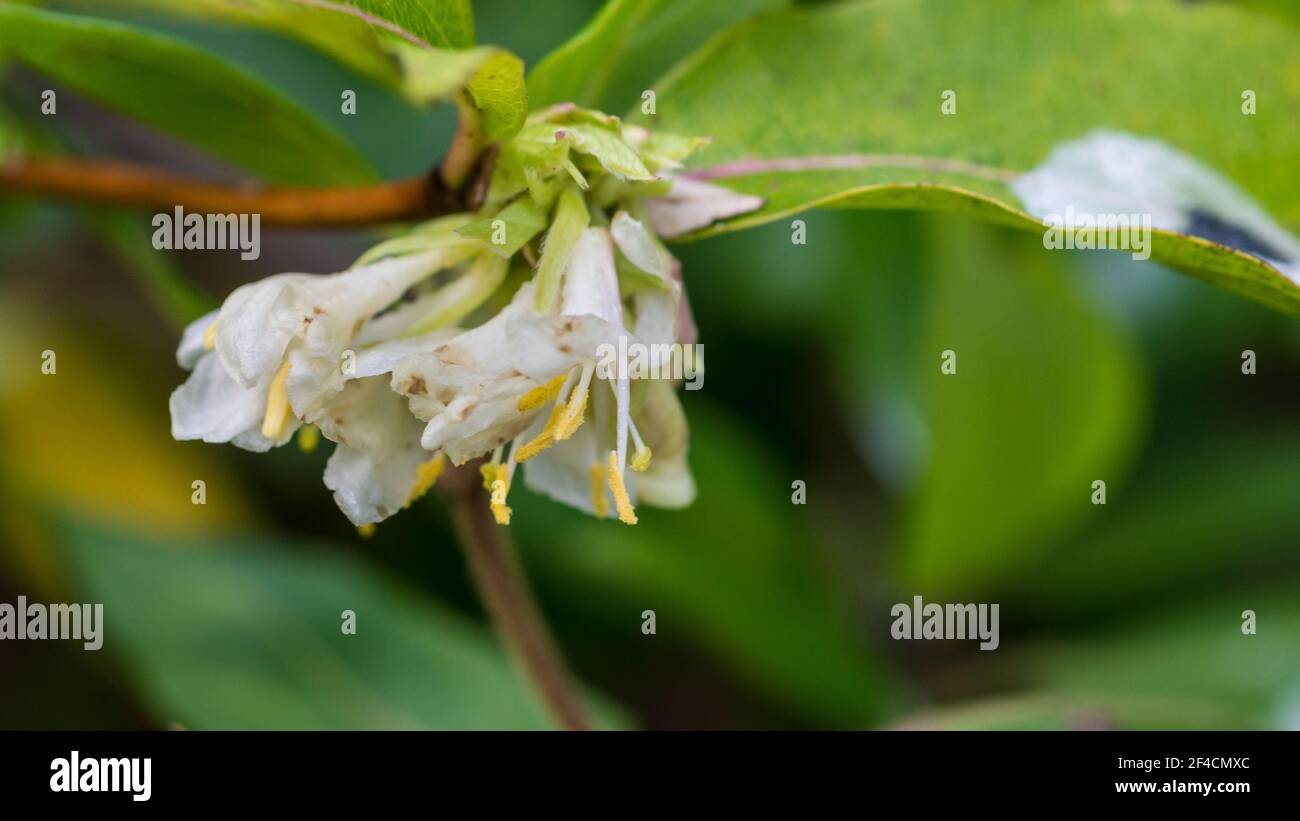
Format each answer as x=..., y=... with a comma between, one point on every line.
x=213, y=407
x=667, y=483
x=543, y=346
x=193, y=340
x=692, y=204
x=563, y=471
x=252, y=329
x=383, y=357
x=656, y=317
x=638, y=246
x=465, y=431
x=376, y=464
x=1114, y=173
x=357, y=294
x=662, y=422
x=590, y=280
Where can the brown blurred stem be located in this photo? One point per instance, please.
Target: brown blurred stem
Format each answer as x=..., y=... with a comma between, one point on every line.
x=111, y=182
x=509, y=602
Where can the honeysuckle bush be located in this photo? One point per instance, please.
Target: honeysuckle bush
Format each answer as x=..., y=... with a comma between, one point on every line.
x=476, y=335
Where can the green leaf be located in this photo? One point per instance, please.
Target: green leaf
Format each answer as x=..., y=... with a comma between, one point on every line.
x=1064, y=711
x=627, y=45
x=1013, y=451
x=185, y=91
x=521, y=220
x=734, y=572
x=863, y=83
x=420, y=49
x=607, y=147
x=1198, y=654
x=440, y=23
x=237, y=634
x=498, y=92
x=492, y=78
x=355, y=33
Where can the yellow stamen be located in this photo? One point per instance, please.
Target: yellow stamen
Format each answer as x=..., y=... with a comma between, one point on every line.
x=425, y=475
x=543, y=440
x=365, y=531
x=542, y=394
x=641, y=459
x=497, y=480
x=598, y=499
x=574, y=413
x=308, y=438
x=277, y=405
x=210, y=336
x=622, y=501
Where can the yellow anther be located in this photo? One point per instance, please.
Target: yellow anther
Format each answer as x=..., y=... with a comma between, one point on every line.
x=574, y=413
x=365, y=531
x=425, y=475
x=308, y=438
x=210, y=336
x=277, y=405
x=500, y=510
x=542, y=394
x=543, y=440
x=599, y=502
x=497, y=480
x=641, y=459
x=626, y=514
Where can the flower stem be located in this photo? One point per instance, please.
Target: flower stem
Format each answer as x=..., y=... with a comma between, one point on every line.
x=119, y=183
x=510, y=603
x=466, y=147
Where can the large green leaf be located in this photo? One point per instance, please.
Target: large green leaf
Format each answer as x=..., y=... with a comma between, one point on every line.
x=440, y=23
x=1200, y=654
x=185, y=91
x=1045, y=399
x=239, y=634
x=421, y=50
x=733, y=572
x=354, y=33
x=862, y=83
x=627, y=45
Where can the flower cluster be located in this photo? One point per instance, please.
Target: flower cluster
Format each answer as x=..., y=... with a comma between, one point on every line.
x=477, y=335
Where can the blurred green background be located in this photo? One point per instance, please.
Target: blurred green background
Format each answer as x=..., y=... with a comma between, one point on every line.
x=823, y=367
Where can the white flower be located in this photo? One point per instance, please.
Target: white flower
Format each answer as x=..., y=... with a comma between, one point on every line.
x=374, y=357
x=527, y=382
x=272, y=356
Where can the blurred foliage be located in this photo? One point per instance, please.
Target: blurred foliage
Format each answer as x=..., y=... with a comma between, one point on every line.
x=184, y=91
x=240, y=634
x=1013, y=451
x=823, y=367
x=627, y=46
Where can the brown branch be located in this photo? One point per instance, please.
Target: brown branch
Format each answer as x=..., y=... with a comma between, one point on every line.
x=509, y=602
x=112, y=182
